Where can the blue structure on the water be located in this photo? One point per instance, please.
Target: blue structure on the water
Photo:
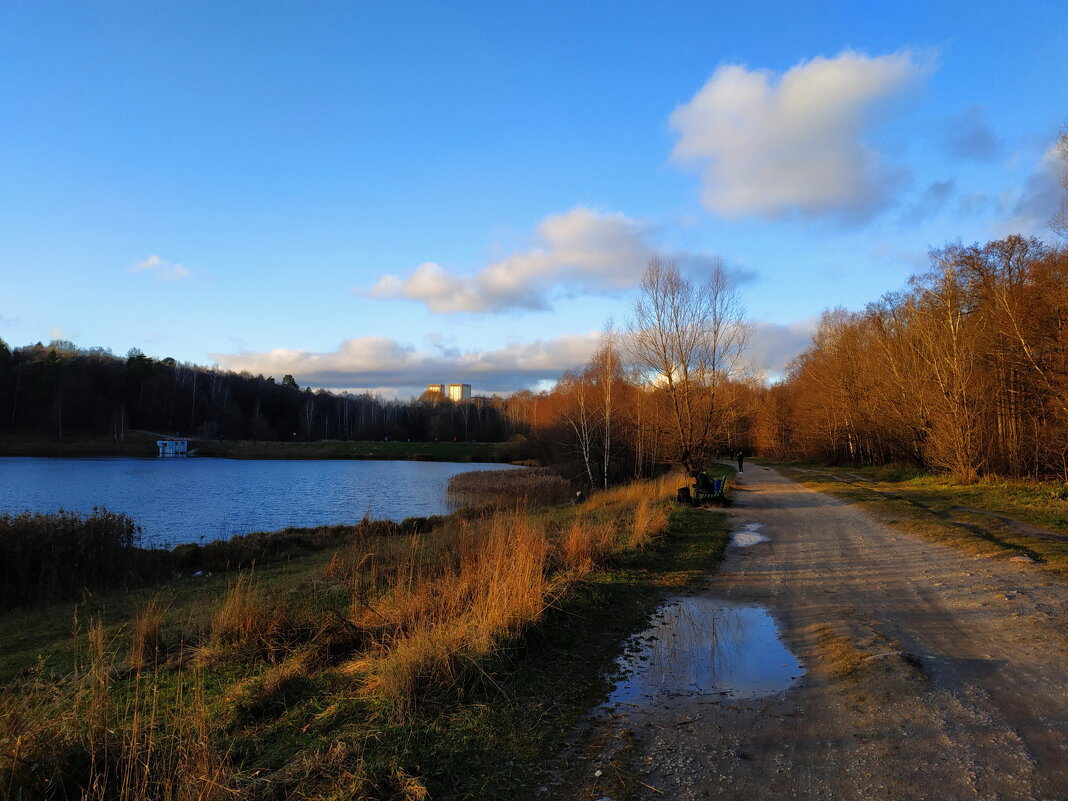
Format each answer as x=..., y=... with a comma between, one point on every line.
x=173, y=447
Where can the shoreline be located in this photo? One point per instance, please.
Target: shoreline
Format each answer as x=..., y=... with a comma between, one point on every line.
x=143, y=445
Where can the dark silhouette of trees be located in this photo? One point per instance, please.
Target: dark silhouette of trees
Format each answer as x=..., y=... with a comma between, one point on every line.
x=62, y=391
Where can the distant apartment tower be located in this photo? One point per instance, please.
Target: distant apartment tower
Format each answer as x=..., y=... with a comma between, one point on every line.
x=438, y=389
x=459, y=392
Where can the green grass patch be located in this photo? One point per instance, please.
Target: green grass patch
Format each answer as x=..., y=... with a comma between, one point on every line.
x=135, y=444
x=41, y=636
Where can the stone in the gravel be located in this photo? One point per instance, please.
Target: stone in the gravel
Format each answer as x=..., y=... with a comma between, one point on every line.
x=1022, y=558
x=597, y=773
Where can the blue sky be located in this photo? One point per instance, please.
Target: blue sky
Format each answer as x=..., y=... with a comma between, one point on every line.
x=383, y=195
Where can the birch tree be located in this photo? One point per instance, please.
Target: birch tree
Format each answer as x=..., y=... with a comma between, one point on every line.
x=687, y=340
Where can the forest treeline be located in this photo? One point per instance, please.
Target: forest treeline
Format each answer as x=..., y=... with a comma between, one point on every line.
x=965, y=371
x=62, y=391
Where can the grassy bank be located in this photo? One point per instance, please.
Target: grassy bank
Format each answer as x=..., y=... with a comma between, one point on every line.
x=25, y=445
x=998, y=519
x=141, y=444
x=66, y=555
x=449, y=663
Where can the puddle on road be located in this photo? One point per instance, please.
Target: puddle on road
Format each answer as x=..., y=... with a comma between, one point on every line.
x=748, y=534
x=705, y=647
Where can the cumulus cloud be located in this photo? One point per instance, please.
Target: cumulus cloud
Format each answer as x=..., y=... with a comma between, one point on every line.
x=384, y=365
x=774, y=146
x=581, y=250
x=968, y=136
x=772, y=346
x=161, y=268
x=368, y=363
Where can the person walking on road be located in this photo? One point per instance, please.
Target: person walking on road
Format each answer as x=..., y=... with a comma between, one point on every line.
x=740, y=458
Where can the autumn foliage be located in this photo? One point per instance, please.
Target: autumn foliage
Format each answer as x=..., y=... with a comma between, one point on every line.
x=965, y=371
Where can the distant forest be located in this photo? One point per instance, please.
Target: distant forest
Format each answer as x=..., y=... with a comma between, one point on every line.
x=59, y=390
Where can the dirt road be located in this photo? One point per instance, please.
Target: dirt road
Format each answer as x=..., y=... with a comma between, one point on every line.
x=929, y=674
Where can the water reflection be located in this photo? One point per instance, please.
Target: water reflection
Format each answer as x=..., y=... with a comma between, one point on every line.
x=705, y=647
x=748, y=534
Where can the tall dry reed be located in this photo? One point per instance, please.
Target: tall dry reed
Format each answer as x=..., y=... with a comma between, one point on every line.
x=146, y=635
x=109, y=735
x=526, y=486
x=437, y=606
x=51, y=557
x=649, y=522
x=442, y=616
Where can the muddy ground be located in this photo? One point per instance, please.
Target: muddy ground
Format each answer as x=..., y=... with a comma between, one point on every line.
x=929, y=674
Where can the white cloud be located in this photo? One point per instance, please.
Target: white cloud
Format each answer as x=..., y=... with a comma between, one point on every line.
x=772, y=346
x=386, y=366
x=367, y=363
x=161, y=268
x=773, y=146
x=579, y=251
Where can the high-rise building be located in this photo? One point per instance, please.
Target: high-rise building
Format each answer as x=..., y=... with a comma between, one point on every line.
x=436, y=388
x=459, y=392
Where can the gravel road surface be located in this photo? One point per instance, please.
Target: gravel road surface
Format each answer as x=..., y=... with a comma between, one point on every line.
x=929, y=674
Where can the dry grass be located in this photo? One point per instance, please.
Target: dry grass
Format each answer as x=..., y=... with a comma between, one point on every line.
x=439, y=617
x=146, y=642
x=535, y=485
x=106, y=734
x=435, y=607
x=247, y=621
x=650, y=521
x=584, y=543
x=392, y=620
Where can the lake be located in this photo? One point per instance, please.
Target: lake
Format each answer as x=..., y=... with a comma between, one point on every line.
x=192, y=500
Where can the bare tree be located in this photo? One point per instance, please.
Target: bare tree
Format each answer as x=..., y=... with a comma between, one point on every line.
x=686, y=340
x=579, y=413
x=606, y=372
x=1059, y=224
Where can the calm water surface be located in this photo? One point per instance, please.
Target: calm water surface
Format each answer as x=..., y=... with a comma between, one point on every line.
x=701, y=646
x=193, y=500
